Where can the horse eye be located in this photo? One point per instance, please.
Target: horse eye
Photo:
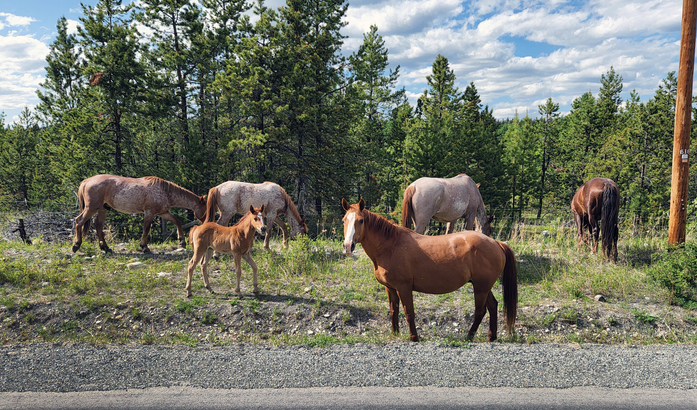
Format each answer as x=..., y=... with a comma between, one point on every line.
x=360, y=222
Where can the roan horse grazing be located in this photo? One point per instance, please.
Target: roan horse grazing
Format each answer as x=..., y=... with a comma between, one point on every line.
x=597, y=200
x=236, y=240
x=151, y=196
x=406, y=261
x=444, y=200
x=233, y=197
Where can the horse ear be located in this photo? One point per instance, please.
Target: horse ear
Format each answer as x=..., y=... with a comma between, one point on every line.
x=344, y=204
x=251, y=208
x=361, y=204
x=261, y=209
x=478, y=184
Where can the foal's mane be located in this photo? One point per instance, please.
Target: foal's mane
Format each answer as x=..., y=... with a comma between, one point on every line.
x=381, y=225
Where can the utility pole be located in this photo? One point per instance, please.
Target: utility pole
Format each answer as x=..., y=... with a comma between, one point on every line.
x=681, y=137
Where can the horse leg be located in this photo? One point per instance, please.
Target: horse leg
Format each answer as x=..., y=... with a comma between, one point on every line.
x=594, y=232
x=180, y=230
x=269, y=218
x=579, y=231
x=248, y=257
x=238, y=270
x=195, y=259
x=81, y=226
x=420, y=226
x=394, y=308
x=492, y=306
x=450, y=227
x=99, y=227
x=283, y=227
x=147, y=222
x=204, y=269
x=407, y=299
x=480, y=305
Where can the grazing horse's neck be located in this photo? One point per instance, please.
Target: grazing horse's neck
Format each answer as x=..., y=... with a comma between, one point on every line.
x=183, y=198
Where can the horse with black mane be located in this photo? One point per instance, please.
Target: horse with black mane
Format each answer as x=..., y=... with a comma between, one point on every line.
x=595, y=206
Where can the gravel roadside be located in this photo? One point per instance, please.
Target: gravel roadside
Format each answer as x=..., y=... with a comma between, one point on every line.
x=80, y=368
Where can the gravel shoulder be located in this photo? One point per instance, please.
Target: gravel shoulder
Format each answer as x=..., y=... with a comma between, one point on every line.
x=81, y=367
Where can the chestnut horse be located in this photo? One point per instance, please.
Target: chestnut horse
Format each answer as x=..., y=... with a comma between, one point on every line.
x=236, y=240
x=151, y=196
x=406, y=261
x=444, y=200
x=597, y=201
x=234, y=197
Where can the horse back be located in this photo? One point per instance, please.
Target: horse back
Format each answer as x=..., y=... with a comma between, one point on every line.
x=124, y=194
x=237, y=197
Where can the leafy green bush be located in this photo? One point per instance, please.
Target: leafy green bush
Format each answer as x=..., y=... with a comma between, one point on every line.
x=676, y=270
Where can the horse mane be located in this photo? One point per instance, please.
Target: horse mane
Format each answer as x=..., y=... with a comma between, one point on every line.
x=381, y=225
x=290, y=206
x=167, y=186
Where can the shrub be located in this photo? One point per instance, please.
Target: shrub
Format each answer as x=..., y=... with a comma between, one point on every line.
x=676, y=270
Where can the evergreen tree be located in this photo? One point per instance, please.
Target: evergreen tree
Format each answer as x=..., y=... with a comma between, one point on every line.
x=375, y=99
x=111, y=47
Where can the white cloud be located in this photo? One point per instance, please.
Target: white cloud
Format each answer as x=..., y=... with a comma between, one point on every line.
x=14, y=21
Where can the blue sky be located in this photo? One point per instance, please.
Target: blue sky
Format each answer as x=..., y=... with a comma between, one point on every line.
x=518, y=53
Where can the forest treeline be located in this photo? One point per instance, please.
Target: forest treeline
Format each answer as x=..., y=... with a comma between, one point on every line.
x=201, y=92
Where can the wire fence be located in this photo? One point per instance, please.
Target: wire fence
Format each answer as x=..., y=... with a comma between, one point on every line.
x=54, y=222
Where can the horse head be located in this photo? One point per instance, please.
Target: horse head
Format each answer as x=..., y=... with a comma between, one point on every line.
x=353, y=224
x=200, y=208
x=257, y=220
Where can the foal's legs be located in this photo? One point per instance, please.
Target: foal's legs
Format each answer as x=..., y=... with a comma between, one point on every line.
x=407, y=299
x=238, y=270
x=394, y=308
x=580, y=234
x=248, y=257
x=199, y=256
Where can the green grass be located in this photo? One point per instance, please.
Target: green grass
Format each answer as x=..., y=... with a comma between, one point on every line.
x=314, y=281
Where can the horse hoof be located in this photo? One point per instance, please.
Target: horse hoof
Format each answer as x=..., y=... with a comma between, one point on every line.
x=414, y=338
x=76, y=248
x=145, y=250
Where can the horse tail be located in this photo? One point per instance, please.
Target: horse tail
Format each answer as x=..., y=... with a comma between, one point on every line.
x=609, y=217
x=211, y=204
x=509, y=281
x=408, y=207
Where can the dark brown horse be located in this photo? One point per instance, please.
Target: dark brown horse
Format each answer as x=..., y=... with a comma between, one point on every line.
x=236, y=240
x=151, y=196
x=406, y=261
x=596, y=207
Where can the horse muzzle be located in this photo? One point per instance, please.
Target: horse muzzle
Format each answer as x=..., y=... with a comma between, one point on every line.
x=349, y=247
x=262, y=231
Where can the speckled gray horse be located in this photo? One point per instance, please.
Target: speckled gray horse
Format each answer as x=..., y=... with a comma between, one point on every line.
x=151, y=196
x=233, y=197
x=444, y=200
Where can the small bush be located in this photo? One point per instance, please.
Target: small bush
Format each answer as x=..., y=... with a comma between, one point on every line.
x=676, y=270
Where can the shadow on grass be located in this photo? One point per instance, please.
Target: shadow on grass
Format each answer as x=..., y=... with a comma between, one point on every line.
x=533, y=268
